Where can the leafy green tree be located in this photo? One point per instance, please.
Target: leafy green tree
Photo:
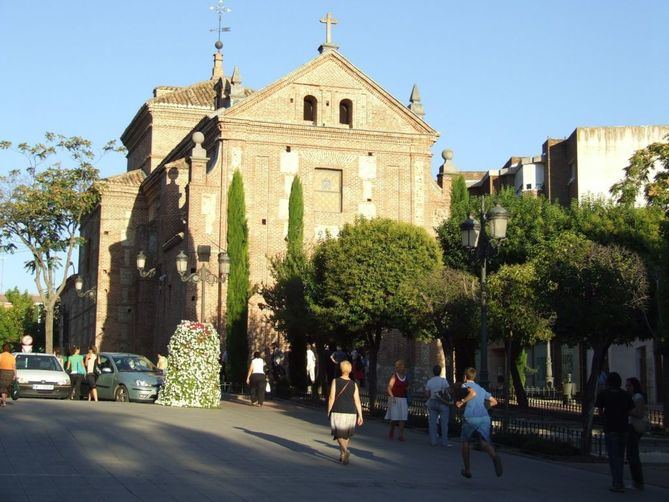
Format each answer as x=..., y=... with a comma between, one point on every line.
x=533, y=221
x=19, y=319
x=443, y=305
x=636, y=228
x=237, y=303
x=598, y=294
x=648, y=172
x=516, y=319
x=42, y=206
x=357, y=277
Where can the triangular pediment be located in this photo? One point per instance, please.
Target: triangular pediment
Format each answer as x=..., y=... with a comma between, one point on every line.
x=330, y=78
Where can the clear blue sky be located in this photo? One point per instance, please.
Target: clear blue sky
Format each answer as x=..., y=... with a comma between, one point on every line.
x=496, y=78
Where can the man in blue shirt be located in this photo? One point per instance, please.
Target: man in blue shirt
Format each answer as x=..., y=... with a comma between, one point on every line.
x=476, y=420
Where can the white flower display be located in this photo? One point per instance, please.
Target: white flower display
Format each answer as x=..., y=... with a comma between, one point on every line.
x=193, y=367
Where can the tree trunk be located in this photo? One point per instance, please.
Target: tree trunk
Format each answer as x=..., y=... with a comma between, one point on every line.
x=447, y=348
x=665, y=390
x=518, y=387
x=588, y=398
x=507, y=369
x=322, y=370
x=297, y=361
x=465, y=357
x=373, y=358
x=48, y=329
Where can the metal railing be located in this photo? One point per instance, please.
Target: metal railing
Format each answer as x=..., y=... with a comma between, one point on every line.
x=568, y=408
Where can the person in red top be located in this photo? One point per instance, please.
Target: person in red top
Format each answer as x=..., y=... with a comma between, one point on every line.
x=398, y=408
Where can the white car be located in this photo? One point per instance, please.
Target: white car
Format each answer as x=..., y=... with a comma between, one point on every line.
x=41, y=375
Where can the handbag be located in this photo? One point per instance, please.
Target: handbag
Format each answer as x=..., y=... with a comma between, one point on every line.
x=16, y=390
x=444, y=396
x=640, y=425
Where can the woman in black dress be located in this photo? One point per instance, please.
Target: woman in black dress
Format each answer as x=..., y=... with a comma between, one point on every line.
x=344, y=409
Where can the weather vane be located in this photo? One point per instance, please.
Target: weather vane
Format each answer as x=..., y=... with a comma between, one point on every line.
x=219, y=9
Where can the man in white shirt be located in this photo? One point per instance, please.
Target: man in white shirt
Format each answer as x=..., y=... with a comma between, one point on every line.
x=436, y=390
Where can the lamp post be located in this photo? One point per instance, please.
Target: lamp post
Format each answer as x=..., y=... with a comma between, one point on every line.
x=141, y=264
x=482, y=246
x=203, y=275
x=79, y=286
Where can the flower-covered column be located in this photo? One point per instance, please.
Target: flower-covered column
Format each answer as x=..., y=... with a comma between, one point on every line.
x=193, y=367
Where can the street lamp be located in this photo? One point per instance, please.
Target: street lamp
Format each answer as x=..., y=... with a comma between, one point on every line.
x=204, y=274
x=79, y=286
x=482, y=246
x=141, y=263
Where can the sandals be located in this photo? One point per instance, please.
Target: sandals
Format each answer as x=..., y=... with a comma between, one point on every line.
x=345, y=457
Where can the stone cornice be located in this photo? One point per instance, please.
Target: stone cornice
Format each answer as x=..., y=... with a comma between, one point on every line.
x=137, y=128
x=230, y=125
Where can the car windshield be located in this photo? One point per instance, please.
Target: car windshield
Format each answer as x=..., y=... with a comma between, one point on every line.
x=42, y=363
x=133, y=363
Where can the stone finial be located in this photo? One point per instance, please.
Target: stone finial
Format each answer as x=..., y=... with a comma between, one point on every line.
x=198, y=152
x=414, y=102
x=217, y=71
x=448, y=168
x=236, y=77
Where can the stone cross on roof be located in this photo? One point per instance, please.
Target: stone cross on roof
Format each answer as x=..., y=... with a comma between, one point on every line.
x=328, y=20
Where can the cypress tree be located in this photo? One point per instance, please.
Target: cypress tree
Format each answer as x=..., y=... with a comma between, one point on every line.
x=238, y=281
x=295, y=219
x=295, y=289
x=459, y=199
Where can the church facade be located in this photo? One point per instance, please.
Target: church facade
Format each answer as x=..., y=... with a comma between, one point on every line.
x=357, y=150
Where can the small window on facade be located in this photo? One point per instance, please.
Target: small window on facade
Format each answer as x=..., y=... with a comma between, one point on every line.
x=310, y=109
x=528, y=186
x=346, y=112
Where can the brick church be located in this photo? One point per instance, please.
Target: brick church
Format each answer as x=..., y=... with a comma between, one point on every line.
x=357, y=150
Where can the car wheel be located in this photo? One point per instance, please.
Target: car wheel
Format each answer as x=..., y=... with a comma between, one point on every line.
x=121, y=394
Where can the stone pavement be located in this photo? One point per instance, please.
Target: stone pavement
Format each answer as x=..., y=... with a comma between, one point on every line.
x=107, y=451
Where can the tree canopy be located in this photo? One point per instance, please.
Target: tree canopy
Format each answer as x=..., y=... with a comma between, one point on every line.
x=648, y=173
x=357, y=277
x=19, y=319
x=443, y=305
x=42, y=205
x=599, y=294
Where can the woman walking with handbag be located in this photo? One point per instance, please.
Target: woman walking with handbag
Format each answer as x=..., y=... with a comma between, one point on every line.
x=344, y=409
x=639, y=424
x=7, y=372
x=255, y=378
x=91, y=363
x=437, y=392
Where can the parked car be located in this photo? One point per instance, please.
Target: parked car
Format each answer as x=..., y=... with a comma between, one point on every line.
x=127, y=377
x=41, y=375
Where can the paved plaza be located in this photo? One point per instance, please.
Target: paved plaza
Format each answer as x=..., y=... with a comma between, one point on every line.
x=107, y=451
